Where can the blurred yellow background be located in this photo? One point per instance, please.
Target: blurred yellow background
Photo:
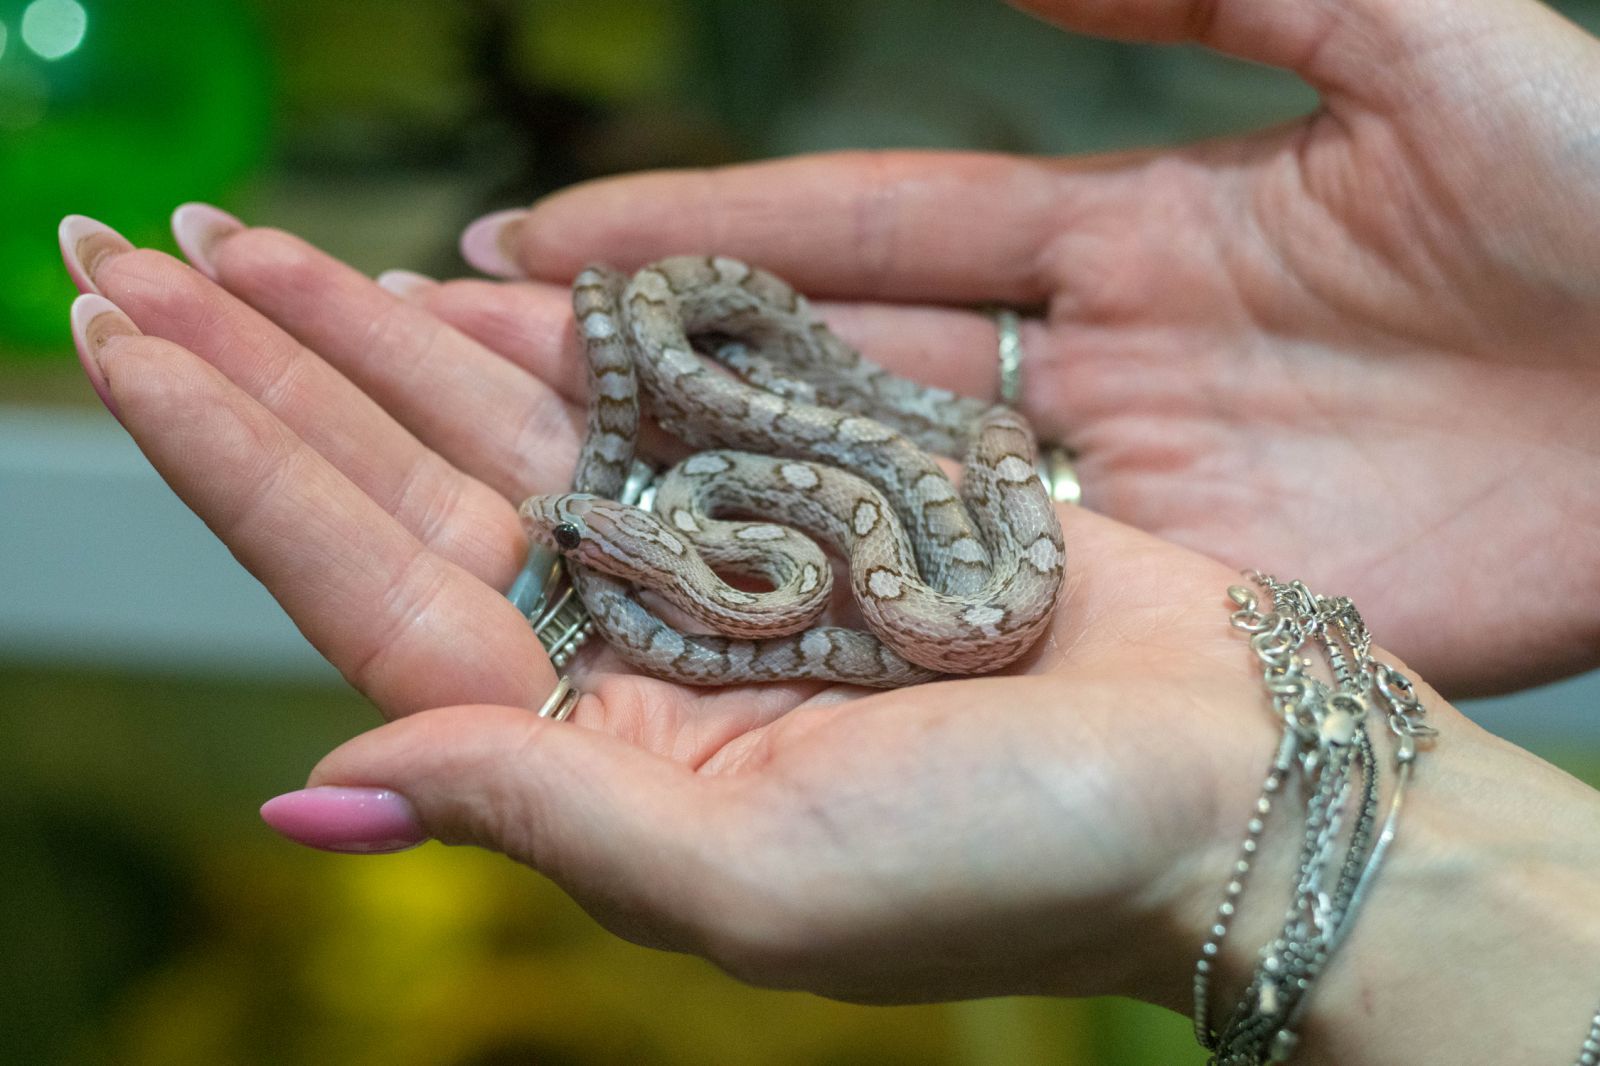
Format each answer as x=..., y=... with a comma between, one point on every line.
x=151, y=696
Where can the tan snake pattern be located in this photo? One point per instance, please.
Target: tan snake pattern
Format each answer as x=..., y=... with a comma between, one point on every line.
x=795, y=426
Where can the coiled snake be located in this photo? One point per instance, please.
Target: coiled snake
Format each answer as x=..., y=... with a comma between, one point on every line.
x=796, y=426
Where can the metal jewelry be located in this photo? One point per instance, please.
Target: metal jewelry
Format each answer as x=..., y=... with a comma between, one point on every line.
x=1055, y=463
x=561, y=702
x=1059, y=475
x=1589, y=1054
x=1009, y=325
x=1325, y=740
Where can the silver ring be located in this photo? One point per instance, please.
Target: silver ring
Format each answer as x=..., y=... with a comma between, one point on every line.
x=1059, y=475
x=1009, y=326
x=558, y=708
x=1054, y=464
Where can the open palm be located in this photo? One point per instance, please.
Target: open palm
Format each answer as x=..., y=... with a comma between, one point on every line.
x=1359, y=347
x=363, y=459
x=1325, y=347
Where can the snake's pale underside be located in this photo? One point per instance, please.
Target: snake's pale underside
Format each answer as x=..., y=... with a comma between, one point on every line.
x=801, y=442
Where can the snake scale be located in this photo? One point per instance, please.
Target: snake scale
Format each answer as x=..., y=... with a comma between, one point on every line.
x=792, y=425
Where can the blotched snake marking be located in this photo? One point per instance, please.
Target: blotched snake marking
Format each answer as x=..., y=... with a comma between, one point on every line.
x=796, y=427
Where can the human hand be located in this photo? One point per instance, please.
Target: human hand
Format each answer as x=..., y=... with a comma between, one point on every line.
x=1358, y=348
x=362, y=458
x=1062, y=831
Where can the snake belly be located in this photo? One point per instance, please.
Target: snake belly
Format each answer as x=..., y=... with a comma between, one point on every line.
x=806, y=440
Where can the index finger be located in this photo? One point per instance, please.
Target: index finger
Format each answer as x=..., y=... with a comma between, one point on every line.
x=903, y=226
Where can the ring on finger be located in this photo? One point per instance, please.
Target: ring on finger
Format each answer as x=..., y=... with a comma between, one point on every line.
x=562, y=700
x=1055, y=462
x=1008, y=324
x=1059, y=474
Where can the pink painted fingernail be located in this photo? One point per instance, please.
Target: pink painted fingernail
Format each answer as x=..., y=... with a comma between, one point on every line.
x=95, y=320
x=404, y=283
x=483, y=244
x=197, y=228
x=85, y=245
x=359, y=820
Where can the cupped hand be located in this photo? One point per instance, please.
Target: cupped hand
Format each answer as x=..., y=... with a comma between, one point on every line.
x=1241, y=340
x=1359, y=347
x=1058, y=830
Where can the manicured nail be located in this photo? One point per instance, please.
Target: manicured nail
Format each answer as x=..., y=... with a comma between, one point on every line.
x=197, y=229
x=483, y=244
x=96, y=320
x=404, y=283
x=85, y=244
x=361, y=820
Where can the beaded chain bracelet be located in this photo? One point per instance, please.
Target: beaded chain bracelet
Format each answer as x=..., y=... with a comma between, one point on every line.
x=1589, y=1054
x=1326, y=740
x=1325, y=737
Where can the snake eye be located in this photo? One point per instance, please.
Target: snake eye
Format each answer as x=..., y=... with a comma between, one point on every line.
x=567, y=536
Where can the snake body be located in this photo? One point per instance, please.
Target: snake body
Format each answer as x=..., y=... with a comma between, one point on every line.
x=795, y=426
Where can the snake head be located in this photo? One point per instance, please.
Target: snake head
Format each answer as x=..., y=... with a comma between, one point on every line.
x=558, y=521
x=614, y=538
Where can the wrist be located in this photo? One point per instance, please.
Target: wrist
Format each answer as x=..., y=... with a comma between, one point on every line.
x=1480, y=939
x=1481, y=943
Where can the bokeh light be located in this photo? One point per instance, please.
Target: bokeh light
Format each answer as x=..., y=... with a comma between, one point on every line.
x=53, y=29
x=116, y=110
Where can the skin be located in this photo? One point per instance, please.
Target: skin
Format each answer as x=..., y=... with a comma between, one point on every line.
x=1064, y=829
x=1359, y=346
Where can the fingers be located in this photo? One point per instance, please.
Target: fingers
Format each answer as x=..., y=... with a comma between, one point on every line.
x=945, y=347
x=407, y=627
x=530, y=324
x=879, y=226
x=910, y=226
x=457, y=516
x=627, y=833
x=485, y=415
x=526, y=322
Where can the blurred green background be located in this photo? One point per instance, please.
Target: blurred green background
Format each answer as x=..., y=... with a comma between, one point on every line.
x=146, y=917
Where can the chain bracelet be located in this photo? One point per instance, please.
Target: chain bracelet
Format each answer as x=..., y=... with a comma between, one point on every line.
x=1326, y=738
x=1291, y=960
x=1589, y=1053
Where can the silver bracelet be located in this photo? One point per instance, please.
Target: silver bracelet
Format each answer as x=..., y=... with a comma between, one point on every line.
x=1589, y=1054
x=1326, y=740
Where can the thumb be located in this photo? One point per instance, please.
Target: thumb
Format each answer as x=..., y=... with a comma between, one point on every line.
x=1280, y=33
x=621, y=830
x=1350, y=48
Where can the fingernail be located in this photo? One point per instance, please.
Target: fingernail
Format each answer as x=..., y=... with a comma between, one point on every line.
x=95, y=320
x=85, y=244
x=197, y=229
x=359, y=820
x=404, y=283
x=483, y=244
